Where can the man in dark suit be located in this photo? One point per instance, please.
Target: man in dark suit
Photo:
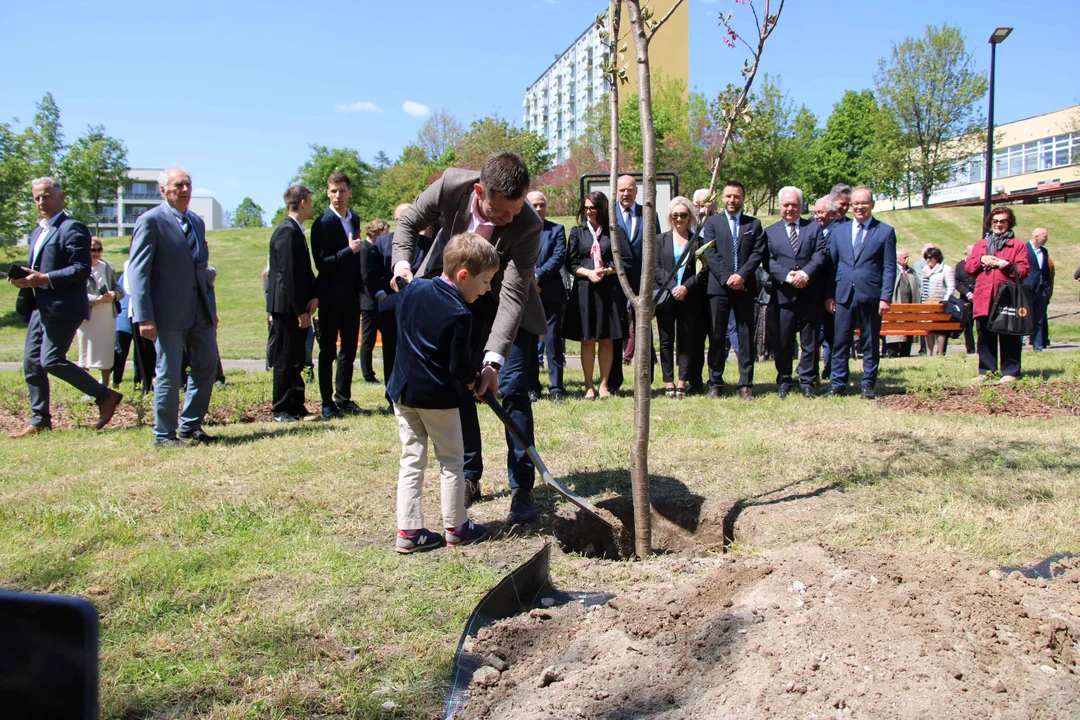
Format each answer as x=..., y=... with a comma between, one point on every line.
x=290, y=301
x=826, y=212
x=631, y=217
x=1041, y=281
x=56, y=274
x=336, y=241
x=795, y=260
x=549, y=281
x=862, y=254
x=732, y=261
x=173, y=302
x=508, y=320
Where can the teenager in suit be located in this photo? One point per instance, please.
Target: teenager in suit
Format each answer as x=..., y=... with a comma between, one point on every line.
x=795, y=260
x=677, y=311
x=862, y=256
x=732, y=287
x=56, y=275
x=508, y=321
x=549, y=281
x=290, y=302
x=336, y=241
x=173, y=302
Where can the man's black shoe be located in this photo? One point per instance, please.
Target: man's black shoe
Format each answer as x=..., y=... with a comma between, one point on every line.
x=835, y=392
x=807, y=392
x=372, y=381
x=349, y=408
x=746, y=393
x=285, y=418
x=784, y=391
x=557, y=397
x=714, y=393
x=472, y=492
x=197, y=437
x=329, y=412
x=534, y=396
x=867, y=392
x=521, y=507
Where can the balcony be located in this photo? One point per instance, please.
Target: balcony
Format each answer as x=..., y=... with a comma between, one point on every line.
x=129, y=195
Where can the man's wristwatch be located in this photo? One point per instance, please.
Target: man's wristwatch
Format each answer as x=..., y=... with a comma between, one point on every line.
x=492, y=364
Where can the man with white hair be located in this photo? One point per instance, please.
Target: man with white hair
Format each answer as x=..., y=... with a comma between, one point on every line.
x=173, y=302
x=52, y=298
x=1041, y=282
x=795, y=260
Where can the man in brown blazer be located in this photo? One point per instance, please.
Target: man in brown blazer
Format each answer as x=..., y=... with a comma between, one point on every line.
x=508, y=320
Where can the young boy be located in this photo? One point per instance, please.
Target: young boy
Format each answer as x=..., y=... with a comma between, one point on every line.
x=432, y=365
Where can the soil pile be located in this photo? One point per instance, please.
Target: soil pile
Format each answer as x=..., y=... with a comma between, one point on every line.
x=810, y=631
x=1045, y=400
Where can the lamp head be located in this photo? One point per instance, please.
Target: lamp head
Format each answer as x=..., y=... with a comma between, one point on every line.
x=1000, y=34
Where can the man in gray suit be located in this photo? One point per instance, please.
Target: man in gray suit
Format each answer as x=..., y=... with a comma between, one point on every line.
x=172, y=300
x=55, y=283
x=507, y=321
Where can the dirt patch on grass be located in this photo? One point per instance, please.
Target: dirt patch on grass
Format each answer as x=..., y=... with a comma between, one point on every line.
x=806, y=631
x=132, y=412
x=1044, y=400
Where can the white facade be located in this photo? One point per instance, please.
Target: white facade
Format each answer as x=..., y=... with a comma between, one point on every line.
x=556, y=104
x=140, y=193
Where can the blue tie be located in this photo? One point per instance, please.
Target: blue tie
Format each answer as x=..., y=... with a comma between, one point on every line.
x=192, y=237
x=858, y=240
x=734, y=238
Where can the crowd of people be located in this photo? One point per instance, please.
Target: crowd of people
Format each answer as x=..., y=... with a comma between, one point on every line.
x=795, y=290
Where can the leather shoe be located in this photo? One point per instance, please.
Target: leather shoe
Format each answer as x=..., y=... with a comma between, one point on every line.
x=285, y=418
x=836, y=392
x=472, y=492
x=784, y=391
x=30, y=430
x=106, y=408
x=867, y=392
x=714, y=393
x=329, y=412
x=807, y=392
x=557, y=397
x=534, y=396
x=746, y=393
x=521, y=507
x=349, y=408
x=197, y=437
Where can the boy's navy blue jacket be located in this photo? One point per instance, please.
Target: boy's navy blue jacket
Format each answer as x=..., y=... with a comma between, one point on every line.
x=433, y=355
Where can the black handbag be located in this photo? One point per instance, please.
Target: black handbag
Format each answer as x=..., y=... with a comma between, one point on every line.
x=1011, y=311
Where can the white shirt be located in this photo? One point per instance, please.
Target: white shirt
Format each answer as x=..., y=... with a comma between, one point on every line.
x=298, y=224
x=1038, y=254
x=855, y=228
x=346, y=221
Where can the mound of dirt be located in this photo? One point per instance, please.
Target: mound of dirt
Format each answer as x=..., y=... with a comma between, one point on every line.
x=85, y=414
x=1058, y=399
x=810, y=631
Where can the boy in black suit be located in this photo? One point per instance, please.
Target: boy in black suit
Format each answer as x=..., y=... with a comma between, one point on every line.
x=434, y=361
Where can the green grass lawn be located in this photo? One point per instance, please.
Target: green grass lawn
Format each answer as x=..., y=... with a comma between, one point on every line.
x=240, y=255
x=256, y=578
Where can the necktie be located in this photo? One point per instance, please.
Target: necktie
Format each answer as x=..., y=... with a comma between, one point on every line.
x=793, y=235
x=192, y=237
x=734, y=238
x=858, y=239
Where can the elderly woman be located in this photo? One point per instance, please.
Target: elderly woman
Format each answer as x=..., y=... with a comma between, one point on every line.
x=997, y=258
x=97, y=336
x=676, y=314
x=938, y=284
x=596, y=311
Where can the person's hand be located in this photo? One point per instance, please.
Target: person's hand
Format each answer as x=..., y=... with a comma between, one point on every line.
x=33, y=279
x=735, y=282
x=883, y=307
x=679, y=293
x=800, y=280
x=488, y=380
x=215, y=322
x=595, y=276
x=405, y=273
x=270, y=319
x=305, y=321
x=148, y=330
x=830, y=306
x=312, y=306
x=355, y=243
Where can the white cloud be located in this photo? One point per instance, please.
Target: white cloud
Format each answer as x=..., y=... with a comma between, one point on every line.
x=415, y=109
x=359, y=106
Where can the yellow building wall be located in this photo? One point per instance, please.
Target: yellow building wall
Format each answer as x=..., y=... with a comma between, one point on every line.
x=669, y=50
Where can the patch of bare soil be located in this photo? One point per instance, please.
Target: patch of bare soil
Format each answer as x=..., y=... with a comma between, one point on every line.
x=1058, y=399
x=809, y=631
x=66, y=415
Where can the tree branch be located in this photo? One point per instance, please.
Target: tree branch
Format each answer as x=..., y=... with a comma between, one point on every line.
x=674, y=7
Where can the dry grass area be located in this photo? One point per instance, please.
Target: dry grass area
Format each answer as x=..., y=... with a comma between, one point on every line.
x=256, y=578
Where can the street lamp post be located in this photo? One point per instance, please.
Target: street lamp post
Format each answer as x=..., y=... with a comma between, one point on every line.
x=998, y=36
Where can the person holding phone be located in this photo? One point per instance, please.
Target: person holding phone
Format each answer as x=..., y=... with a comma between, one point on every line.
x=57, y=271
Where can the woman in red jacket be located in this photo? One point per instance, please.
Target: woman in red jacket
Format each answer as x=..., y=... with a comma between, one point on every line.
x=996, y=258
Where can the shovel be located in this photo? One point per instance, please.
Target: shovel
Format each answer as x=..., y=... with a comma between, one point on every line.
x=519, y=437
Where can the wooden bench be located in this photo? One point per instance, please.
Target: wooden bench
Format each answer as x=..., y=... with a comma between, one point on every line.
x=917, y=319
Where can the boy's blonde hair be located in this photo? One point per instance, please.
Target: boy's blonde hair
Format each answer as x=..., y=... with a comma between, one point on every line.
x=469, y=251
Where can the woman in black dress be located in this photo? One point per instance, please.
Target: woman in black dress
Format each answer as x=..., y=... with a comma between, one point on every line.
x=596, y=311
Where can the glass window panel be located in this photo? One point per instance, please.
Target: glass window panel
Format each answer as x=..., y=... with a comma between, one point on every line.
x=1031, y=162
x=1061, y=157
x=1046, y=160
x=1016, y=165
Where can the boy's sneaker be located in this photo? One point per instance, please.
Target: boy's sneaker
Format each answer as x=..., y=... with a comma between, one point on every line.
x=420, y=541
x=470, y=532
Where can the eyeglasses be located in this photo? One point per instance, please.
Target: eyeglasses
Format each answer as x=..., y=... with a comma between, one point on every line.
x=589, y=207
x=94, y=250
x=679, y=215
x=1000, y=221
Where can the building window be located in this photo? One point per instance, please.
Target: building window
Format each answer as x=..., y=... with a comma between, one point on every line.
x=1045, y=154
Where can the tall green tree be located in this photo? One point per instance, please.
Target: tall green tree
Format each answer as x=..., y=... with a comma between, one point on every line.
x=317, y=169
x=930, y=85
x=93, y=169
x=764, y=155
x=495, y=134
x=401, y=182
x=248, y=215
x=14, y=185
x=847, y=143
x=440, y=132
x=45, y=138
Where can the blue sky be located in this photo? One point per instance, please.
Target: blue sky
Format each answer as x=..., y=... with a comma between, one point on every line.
x=235, y=91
